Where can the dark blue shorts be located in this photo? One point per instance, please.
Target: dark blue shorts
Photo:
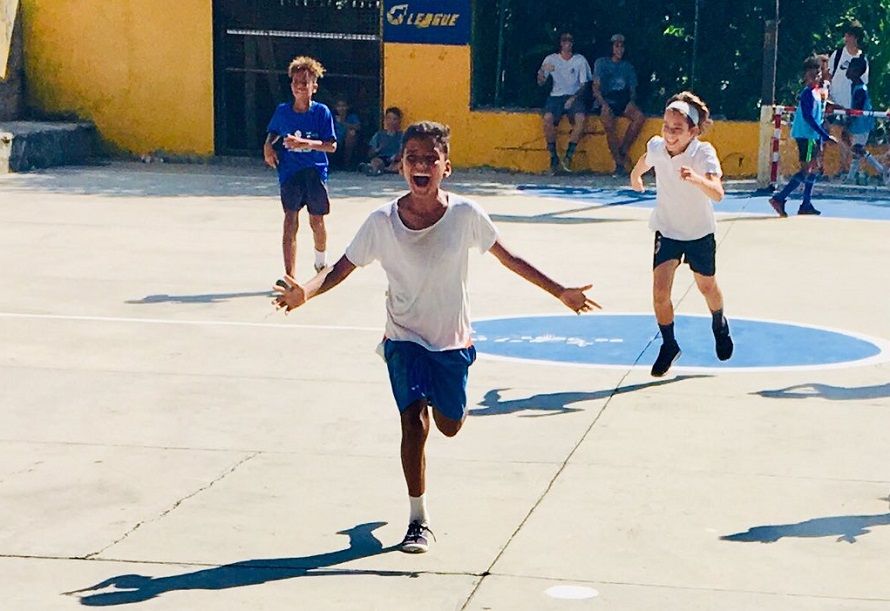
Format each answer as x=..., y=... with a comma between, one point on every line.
x=305, y=188
x=556, y=106
x=440, y=377
x=700, y=254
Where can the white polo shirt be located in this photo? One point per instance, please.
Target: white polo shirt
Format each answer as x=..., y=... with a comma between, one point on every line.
x=427, y=301
x=682, y=211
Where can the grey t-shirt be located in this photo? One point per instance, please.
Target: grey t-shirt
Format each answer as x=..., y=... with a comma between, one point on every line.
x=614, y=76
x=387, y=145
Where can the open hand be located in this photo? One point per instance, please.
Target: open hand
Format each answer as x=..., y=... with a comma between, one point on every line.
x=577, y=301
x=548, y=67
x=289, y=298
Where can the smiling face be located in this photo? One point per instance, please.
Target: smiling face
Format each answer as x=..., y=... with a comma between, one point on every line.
x=303, y=85
x=424, y=166
x=676, y=131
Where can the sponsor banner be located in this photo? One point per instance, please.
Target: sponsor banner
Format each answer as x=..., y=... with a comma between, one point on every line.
x=440, y=22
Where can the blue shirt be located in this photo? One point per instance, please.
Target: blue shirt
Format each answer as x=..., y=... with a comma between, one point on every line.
x=807, y=122
x=861, y=101
x=317, y=123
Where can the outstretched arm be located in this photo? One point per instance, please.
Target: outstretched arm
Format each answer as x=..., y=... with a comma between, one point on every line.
x=573, y=298
x=295, y=295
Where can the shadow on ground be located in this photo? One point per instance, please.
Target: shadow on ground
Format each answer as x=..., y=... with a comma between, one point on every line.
x=551, y=404
x=844, y=528
x=814, y=390
x=200, y=298
x=138, y=588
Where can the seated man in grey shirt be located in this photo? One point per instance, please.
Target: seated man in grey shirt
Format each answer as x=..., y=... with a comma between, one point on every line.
x=615, y=89
x=570, y=73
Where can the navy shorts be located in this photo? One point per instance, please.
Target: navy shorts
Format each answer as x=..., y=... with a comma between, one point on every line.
x=700, y=254
x=617, y=101
x=440, y=377
x=556, y=105
x=305, y=188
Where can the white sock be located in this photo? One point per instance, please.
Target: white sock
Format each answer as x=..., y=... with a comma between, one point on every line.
x=320, y=256
x=418, y=509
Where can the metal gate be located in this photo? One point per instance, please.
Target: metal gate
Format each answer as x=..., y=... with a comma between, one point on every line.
x=254, y=40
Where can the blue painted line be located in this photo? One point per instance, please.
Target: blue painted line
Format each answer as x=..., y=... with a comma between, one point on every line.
x=625, y=340
x=859, y=207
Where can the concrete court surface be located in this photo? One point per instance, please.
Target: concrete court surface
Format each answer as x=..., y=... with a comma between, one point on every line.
x=168, y=441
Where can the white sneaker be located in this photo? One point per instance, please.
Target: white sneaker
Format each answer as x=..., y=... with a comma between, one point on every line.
x=416, y=540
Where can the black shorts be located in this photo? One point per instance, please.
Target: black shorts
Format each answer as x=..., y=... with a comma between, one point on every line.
x=617, y=101
x=807, y=149
x=556, y=106
x=700, y=254
x=305, y=188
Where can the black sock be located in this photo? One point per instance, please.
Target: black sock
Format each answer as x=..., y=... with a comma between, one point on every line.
x=667, y=333
x=570, y=152
x=551, y=146
x=718, y=323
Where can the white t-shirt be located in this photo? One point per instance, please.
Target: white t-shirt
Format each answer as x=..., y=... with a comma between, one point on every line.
x=569, y=74
x=841, y=86
x=682, y=211
x=427, y=301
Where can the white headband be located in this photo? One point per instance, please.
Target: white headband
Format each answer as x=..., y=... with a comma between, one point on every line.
x=686, y=109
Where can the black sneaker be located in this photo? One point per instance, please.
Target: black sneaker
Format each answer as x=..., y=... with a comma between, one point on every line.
x=778, y=206
x=808, y=210
x=667, y=354
x=416, y=540
x=554, y=167
x=723, y=342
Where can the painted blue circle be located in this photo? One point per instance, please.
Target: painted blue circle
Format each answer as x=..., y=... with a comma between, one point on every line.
x=629, y=339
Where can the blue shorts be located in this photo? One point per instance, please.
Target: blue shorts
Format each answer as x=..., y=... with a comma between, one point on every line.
x=440, y=377
x=305, y=188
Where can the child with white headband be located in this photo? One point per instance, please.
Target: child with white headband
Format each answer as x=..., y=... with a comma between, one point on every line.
x=688, y=183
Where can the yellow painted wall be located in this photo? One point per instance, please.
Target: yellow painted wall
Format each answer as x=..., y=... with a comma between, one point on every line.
x=142, y=71
x=433, y=82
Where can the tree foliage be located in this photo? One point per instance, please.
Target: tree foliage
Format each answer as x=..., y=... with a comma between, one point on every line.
x=661, y=43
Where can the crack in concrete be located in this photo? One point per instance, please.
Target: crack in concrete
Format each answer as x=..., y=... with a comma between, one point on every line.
x=173, y=507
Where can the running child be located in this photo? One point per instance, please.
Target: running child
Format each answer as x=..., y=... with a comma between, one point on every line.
x=299, y=137
x=688, y=183
x=860, y=126
x=422, y=241
x=808, y=132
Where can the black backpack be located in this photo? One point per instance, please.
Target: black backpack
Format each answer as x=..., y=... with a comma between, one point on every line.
x=837, y=59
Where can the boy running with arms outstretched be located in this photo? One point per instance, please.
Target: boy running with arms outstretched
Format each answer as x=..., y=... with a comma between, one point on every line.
x=422, y=240
x=687, y=181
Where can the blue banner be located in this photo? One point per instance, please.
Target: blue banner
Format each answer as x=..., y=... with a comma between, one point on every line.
x=439, y=22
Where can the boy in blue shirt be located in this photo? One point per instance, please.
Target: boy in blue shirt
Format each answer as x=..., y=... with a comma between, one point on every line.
x=807, y=130
x=860, y=126
x=299, y=137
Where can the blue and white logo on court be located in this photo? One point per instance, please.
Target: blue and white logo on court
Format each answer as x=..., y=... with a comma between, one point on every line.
x=627, y=340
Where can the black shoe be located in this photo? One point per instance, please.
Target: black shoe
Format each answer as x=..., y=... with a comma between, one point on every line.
x=554, y=166
x=667, y=354
x=808, y=210
x=416, y=540
x=723, y=342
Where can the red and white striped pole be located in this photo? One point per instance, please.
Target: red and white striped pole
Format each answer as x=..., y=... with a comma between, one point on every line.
x=774, y=147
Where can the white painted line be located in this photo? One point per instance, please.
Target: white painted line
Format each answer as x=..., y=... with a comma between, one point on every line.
x=571, y=592
x=206, y=323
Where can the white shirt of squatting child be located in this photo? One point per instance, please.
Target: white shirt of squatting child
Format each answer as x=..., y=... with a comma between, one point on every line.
x=427, y=301
x=682, y=211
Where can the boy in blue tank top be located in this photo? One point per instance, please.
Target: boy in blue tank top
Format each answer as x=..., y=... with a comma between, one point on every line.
x=860, y=126
x=299, y=137
x=807, y=131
